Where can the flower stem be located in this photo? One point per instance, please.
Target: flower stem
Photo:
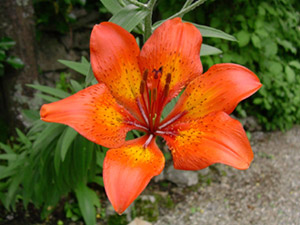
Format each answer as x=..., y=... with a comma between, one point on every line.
x=187, y=9
x=148, y=20
x=137, y=3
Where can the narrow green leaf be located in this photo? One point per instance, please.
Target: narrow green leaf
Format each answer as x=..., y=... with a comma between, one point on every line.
x=87, y=198
x=214, y=33
x=49, y=90
x=52, y=131
x=209, y=50
x=75, y=85
x=168, y=108
x=112, y=5
x=9, y=157
x=47, y=98
x=80, y=67
x=129, y=17
x=23, y=138
x=90, y=77
x=67, y=138
x=205, y=31
x=31, y=115
x=6, y=148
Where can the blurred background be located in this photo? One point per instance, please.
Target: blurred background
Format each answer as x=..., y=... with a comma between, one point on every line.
x=35, y=34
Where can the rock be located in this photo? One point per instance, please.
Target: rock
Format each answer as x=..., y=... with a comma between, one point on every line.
x=159, y=178
x=50, y=50
x=149, y=198
x=250, y=123
x=181, y=177
x=82, y=39
x=138, y=221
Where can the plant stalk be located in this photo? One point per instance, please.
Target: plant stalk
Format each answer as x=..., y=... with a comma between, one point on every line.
x=148, y=20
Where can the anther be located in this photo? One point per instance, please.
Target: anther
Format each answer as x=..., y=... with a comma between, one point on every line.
x=168, y=78
x=166, y=90
x=142, y=87
x=145, y=75
x=154, y=94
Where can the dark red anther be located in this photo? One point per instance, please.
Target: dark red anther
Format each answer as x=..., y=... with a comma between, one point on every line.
x=154, y=94
x=142, y=87
x=166, y=90
x=145, y=75
x=168, y=78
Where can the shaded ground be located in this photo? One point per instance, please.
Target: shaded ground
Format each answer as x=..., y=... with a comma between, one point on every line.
x=267, y=193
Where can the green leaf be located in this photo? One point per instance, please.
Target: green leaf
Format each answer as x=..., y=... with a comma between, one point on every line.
x=23, y=138
x=31, y=115
x=75, y=85
x=290, y=74
x=2, y=55
x=256, y=41
x=6, y=43
x=214, y=33
x=6, y=148
x=9, y=157
x=129, y=17
x=15, y=62
x=295, y=64
x=49, y=90
x=67, y=138
x=47, y=98
x=243, y=38
x=87, y=199
x=270, y=48
x=209, y=50
x=80, y=67
x=52, y=131
x=168, y=108
x=112, y=5
x=90, y=77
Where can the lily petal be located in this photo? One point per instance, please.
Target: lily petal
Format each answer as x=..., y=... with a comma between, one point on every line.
x=114, y=59
x=128, y=169
x=92, y=112
x=174, y=46
x=221, y=88
x=216, y=138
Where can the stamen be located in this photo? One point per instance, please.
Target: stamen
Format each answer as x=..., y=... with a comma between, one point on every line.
x=136, y=125
x=166, y=90
x=172, y=120
x=168, y=78
x=164, y=132
x=142, y=111
x=145, y=75
x=154, y=94
x=142, y=87
x=148, y=141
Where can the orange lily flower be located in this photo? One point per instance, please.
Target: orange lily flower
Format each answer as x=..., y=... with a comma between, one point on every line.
x=134, y=86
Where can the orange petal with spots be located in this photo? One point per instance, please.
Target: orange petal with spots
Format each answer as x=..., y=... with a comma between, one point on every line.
x=128, y=169
x=221, y=88
x=174, y=46
x=216, y=138
x=93, y=113
x=114, y=59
